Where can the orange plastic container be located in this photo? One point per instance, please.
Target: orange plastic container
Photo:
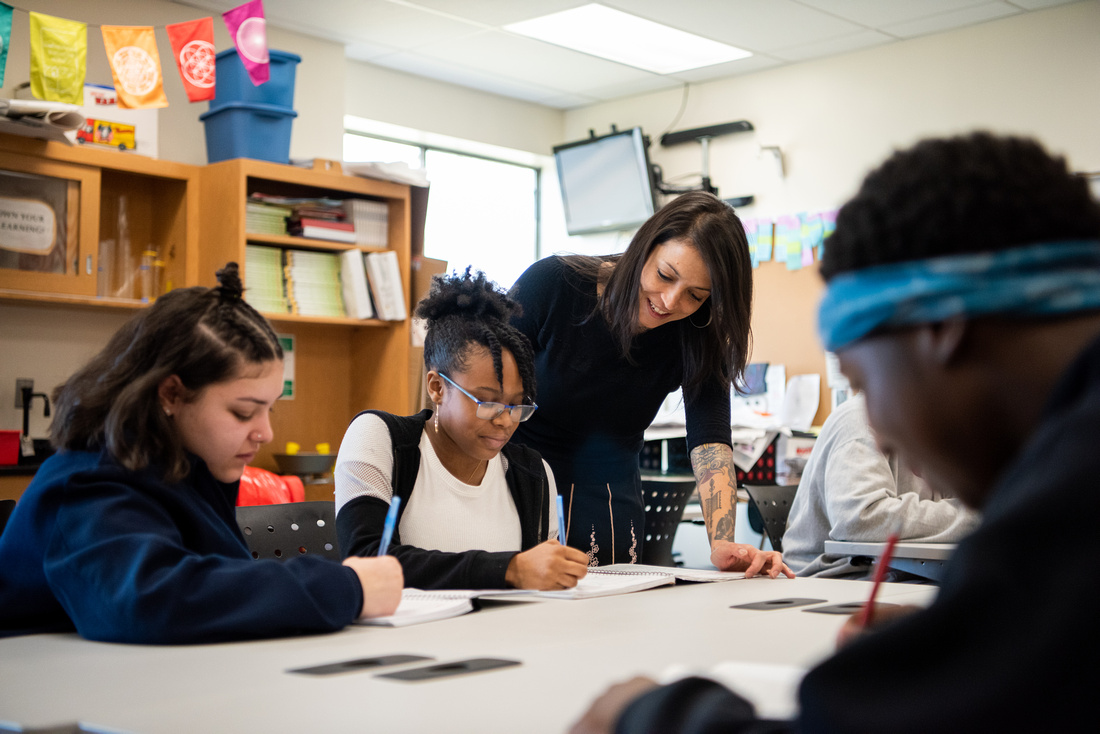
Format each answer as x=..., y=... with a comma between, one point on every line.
x=9, y=448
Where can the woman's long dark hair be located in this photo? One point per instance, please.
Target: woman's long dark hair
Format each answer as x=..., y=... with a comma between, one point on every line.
x=718, y=351
x=201, y=335
x=467, y=310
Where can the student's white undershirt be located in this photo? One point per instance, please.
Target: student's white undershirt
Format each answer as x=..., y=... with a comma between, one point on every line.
x=443, y=513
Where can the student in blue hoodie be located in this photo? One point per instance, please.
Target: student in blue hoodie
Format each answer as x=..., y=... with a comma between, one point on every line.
x=128, y=533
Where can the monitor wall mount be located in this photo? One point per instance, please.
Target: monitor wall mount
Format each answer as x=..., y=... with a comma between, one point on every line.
x=703, y=136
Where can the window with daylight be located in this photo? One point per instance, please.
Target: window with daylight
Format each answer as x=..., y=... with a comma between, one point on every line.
x=481, y=211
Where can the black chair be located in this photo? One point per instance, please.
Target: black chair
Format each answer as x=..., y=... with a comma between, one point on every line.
x=288, y=530
x=665, y=496
x=773, y=504
x=6, y=508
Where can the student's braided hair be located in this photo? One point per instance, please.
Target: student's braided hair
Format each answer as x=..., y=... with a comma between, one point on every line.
x=202, y=335
x=974, y=193
x=467, y=310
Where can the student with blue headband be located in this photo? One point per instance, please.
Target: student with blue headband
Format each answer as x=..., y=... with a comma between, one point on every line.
x=963, y=299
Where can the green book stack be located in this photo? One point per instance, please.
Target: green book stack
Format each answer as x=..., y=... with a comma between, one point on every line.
x=263, y=267
x=313, y=283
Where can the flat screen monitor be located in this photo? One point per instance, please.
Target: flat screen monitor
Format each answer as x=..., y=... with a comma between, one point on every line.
x=606, y=182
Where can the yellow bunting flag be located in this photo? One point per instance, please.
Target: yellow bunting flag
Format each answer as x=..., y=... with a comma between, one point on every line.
x=59, y=54
x=135, y=66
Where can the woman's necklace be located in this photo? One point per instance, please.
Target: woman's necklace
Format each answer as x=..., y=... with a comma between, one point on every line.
x=476, y=467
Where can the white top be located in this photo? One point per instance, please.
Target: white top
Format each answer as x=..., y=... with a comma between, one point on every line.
x=443, y=513
x=852, y=491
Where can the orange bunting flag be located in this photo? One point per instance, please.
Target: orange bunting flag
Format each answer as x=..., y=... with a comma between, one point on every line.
x=135, y=66
x=193, y=47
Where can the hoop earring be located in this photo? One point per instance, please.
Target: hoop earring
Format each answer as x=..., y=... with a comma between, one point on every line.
x=710, y=317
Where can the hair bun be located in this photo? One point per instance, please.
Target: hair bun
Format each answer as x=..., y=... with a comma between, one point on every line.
x=470, y=295
x=230, y=287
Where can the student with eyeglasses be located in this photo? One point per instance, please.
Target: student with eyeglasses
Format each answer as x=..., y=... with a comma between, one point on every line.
x=476, y=512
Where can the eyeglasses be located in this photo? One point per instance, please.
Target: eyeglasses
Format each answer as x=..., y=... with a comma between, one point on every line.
x=488, y=411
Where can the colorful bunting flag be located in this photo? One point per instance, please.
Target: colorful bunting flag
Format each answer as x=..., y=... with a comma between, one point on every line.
x=249, y=32
x=193, y=47
x=5, y=37
x=135, y=66
x=59, y=55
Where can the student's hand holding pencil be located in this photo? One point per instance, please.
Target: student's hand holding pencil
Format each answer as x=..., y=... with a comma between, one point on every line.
x=549, y=566
x=854, y=627
x=382, y=581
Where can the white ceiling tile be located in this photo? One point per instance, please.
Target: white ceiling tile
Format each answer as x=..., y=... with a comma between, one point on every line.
x=569, y=101
x=363, y=51
x=949, y=21
x=833, y=46
x=371, y=21
x=627, y=89
x=474, y=78
x=754, y=25
x=497, y=12
x=498, y=52
x=462, y=42
x=733, y=68
x=1040, y=4
x=877, y=13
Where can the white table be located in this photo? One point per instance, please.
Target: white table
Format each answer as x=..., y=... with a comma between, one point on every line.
x=570, y=651
x=922, y=559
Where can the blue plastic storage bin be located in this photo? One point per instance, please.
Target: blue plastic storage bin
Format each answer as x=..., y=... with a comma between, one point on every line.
x=234, y=85
x=241, y=130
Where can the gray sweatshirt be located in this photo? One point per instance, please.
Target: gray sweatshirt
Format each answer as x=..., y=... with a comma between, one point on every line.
x=852, y=491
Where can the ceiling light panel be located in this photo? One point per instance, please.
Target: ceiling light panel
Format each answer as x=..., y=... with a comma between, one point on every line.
x=627, y=39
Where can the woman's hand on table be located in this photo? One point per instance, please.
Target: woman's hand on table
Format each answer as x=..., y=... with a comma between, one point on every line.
x=727, y=556
x=548, y=566
x=382, y=581
x=601, y=716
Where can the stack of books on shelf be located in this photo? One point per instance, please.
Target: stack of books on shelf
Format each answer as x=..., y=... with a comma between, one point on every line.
x=321, y=219
x=371, y=221
x=263, y=267
x=263, y=217
x=313, y=283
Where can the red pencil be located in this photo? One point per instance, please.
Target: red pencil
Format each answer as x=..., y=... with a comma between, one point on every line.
x=880, y=572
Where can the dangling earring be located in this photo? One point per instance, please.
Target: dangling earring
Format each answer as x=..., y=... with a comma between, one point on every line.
x=437, y=419
x=710, y=317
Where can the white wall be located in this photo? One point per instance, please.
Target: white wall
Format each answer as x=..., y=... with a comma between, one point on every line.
x=1034, y=74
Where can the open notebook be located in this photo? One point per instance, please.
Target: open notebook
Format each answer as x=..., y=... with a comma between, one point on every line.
x=419, y=606
x=601, y=581
x=698, y=575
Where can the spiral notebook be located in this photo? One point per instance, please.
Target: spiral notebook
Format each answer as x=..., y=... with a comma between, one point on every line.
x=418, y=606
x=604, y=581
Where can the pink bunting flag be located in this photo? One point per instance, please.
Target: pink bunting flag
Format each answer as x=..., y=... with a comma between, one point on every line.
x=249, y=31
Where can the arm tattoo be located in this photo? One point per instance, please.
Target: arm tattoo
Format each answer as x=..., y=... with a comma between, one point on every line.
x=714, y=471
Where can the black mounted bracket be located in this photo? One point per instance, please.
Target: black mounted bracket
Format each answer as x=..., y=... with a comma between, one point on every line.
x=703, y=136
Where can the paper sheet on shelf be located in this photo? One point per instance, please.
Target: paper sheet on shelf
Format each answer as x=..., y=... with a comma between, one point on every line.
x=749, y=445
x=800, y=405
x=399, y=172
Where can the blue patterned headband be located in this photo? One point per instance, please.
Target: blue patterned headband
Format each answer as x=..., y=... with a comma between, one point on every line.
x=1044, y=279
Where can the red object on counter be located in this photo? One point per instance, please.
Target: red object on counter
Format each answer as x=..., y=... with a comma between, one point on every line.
x=262, y=487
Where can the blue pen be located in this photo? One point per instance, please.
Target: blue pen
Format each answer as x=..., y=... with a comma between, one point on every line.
x=387, y=531
x=561, y=521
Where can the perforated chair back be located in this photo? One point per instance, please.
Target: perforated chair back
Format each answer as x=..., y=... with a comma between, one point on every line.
x=6, y=508
x=664, y=497
x=774, y=505
x=289, y=530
